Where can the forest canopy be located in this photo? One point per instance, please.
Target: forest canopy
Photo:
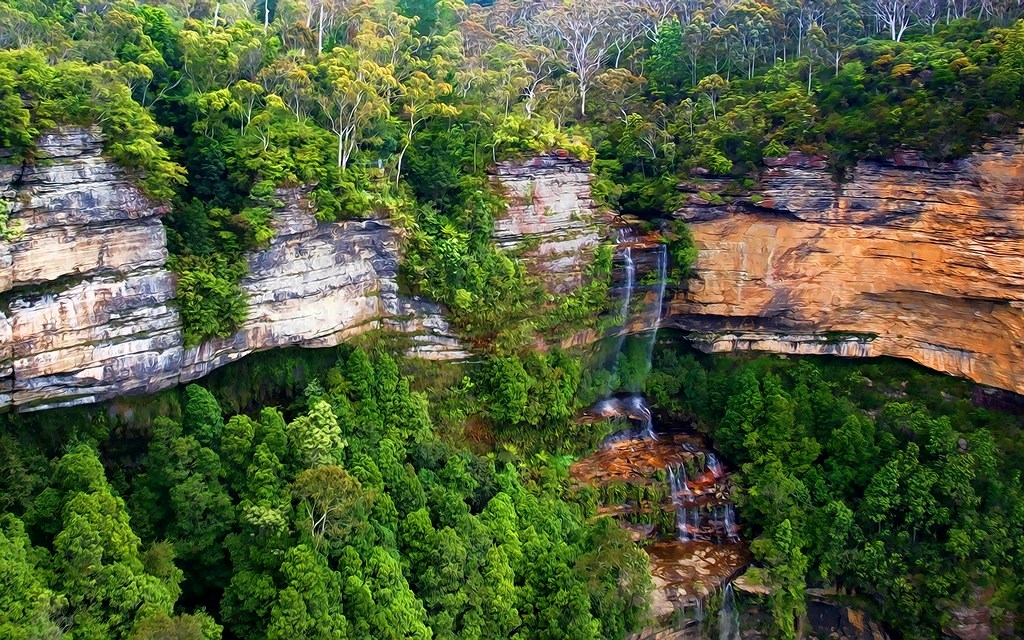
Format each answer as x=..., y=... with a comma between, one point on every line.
x=344, y=516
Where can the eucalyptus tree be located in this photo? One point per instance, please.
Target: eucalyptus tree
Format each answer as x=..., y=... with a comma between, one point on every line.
x=582, y=30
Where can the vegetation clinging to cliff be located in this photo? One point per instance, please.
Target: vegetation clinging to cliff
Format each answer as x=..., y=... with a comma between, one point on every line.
x=399, y=108
x=36, y=95
x=879, y=478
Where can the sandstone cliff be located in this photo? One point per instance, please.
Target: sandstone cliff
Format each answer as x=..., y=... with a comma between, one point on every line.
x=86, y=303
x=902, y=259
x=86, y=298
x=551, y=217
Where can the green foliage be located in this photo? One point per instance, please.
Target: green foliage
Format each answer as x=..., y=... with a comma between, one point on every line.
x=96, y=559
x=209, y=299
x=349, y=519
x=864, y=475
x=9, y=231
x=681, y=251
x=28, y=609
x=533, y=401
x=37, y=96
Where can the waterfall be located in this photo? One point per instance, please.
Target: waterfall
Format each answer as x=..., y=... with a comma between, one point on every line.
x=728, y=616
x=682, y=528
x=659, y=301
x=730, y=522
x=627, y=295
x=627, y=256
x=678, y=482
x=641, y=412
x=713, y=465
x=686, y=525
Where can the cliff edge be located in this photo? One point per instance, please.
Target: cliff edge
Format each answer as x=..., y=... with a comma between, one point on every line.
x=904, y=258
x=86, y=302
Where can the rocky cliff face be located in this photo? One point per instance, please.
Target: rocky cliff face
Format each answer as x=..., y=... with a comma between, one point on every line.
x=903, y=259
x=86, y=309
x=85, y=303
x=550, y=218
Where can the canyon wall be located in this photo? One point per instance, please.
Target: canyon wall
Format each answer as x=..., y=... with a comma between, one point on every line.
x=86, y=311
x=551, y=218
x=904, y=258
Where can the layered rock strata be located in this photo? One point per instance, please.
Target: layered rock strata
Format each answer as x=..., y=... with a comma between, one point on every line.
x=550, y=218
x=87, y=310
x=315, y=286
x=904, y=258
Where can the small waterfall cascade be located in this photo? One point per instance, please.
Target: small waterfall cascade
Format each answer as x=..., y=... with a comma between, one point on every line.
x=713, y=465
x=634, y=407
x=728, y=616
x=629, y=267
x=643, y=413
x=680, y=489
x=692, y=525
x=703, y=511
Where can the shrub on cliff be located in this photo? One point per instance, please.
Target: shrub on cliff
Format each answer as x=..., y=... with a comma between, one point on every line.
x=209, y=300
x=36, y=95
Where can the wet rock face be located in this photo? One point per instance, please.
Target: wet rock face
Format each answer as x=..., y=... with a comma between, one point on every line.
x=903, y=259
x=550, y=216
x=86, y=303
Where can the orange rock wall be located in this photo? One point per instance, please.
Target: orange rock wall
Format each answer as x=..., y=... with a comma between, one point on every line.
x=922, y=262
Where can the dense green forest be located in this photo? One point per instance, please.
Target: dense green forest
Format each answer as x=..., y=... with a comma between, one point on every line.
x=344, y=494
x=321, y=493
x=343, y=516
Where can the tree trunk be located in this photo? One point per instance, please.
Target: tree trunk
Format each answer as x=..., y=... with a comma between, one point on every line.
x=320, y=33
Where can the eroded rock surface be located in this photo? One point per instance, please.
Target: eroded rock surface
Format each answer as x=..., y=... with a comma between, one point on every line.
x=315, y=286
x=85, y=311
x=550, y=218
x=920, y=262
x=86, y=303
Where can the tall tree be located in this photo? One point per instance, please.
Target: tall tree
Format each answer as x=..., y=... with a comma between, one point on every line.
x=582, y=29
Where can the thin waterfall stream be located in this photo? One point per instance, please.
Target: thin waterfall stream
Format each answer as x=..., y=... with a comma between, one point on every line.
x=659, y=303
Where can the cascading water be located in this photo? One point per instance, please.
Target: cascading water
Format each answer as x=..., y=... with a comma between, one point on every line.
x=729, y=521
x=659, y=302
x=728, y=616
x=697, y=495
x=627, y=296
x=677, y=487
x=713, y=465
x=643, y=413
x=627, y=257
